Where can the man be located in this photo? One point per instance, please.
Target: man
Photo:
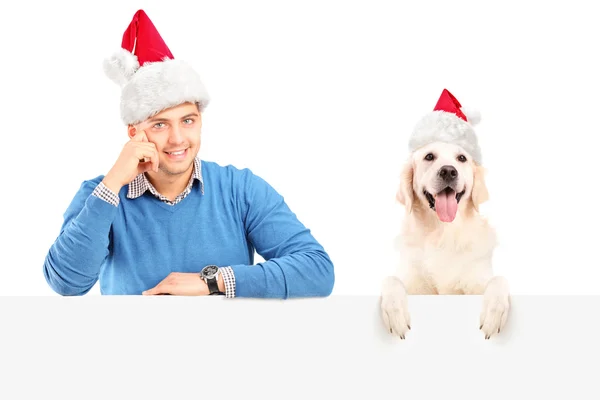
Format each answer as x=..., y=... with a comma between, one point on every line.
x=162, y=221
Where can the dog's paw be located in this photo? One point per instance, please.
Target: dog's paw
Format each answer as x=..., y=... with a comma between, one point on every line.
x=394, y=307
x=496, y=305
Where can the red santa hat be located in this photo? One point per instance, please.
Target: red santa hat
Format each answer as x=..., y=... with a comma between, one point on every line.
x=151, y=79
x=449, y=122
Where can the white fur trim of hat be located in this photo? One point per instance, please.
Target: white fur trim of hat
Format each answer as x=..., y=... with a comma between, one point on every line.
x=448, y=123
x=161, y=82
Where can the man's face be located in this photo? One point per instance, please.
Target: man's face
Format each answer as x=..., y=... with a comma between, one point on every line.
x=176, y=134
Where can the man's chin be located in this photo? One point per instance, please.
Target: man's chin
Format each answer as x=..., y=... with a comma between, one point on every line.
x=176, y=168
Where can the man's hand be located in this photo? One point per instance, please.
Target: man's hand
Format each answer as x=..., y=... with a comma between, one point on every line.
x=183, y=284
x=131, y=162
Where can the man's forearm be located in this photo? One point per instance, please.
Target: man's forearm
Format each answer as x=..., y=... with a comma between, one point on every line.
x=301, y=274
x=73, y=262
x=297, y=265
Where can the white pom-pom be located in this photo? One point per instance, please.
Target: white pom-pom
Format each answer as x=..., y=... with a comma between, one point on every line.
x=121, y=66
x=473, y=116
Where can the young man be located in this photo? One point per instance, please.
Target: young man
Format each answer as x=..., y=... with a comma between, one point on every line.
x=162, y=221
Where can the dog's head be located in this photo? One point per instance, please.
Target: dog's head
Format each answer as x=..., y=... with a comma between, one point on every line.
x=442, y=178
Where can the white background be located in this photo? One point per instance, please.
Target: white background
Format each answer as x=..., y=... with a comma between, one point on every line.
x=318, y=98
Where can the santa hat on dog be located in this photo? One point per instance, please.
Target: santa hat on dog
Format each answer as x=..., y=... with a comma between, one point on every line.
x=151, y=79
x=449, y=123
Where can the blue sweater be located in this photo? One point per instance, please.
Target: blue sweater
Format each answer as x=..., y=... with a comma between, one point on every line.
x=132, y=247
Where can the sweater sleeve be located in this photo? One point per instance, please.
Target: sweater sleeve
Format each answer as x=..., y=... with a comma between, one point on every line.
x=73, y=263
x=296, y=265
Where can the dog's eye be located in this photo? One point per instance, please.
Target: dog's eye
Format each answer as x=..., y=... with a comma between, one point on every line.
x=429, y=157
x=462, y=158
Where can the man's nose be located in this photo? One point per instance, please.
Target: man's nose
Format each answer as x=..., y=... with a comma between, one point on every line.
x=175, y=136
x=448, y=173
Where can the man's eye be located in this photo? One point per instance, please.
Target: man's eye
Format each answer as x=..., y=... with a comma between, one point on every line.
x=429, y=157
x=159, y=125
x=188, y=121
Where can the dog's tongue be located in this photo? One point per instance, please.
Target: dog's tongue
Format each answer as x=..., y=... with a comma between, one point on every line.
x=446, y=206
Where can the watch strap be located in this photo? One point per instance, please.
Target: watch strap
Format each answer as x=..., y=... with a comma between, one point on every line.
x=213, y=286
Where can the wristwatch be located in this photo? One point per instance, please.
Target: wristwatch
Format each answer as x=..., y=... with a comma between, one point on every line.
x=210, y=273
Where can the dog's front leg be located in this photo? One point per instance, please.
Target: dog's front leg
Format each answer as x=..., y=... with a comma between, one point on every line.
x=496, y=305
x=480, y=280
x=394, y=306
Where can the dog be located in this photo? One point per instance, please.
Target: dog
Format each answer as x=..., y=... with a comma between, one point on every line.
x=445, y=245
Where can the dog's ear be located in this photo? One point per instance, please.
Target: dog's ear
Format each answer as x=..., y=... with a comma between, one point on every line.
x=405, y=194
x=479, y=194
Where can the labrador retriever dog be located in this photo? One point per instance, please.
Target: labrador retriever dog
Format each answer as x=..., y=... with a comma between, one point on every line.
x=445, y=245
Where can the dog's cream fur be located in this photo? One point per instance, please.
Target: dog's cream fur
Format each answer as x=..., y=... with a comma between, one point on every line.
x=445, y=258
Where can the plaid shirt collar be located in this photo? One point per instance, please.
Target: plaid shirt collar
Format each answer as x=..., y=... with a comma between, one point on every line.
x=141, y=184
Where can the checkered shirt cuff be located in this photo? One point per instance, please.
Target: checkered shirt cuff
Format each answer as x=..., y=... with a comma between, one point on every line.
x=229, y=281
x=106, y=194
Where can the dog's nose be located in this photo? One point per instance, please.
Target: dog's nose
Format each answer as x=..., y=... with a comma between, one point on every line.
x=448, y=173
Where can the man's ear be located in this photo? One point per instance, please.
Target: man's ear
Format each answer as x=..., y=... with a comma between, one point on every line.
x=479, y=194
x=131, y=131
x=405, y=194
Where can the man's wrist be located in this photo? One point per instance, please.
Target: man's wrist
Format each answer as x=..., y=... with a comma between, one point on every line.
x=224, y=280
x=111, y=184
x=103, y=192
x=221, y=283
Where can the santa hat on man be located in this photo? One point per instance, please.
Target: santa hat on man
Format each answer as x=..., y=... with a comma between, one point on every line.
x=151, y=79
x=449, y=123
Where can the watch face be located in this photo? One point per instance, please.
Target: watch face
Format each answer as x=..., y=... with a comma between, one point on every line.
x=210, y=271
